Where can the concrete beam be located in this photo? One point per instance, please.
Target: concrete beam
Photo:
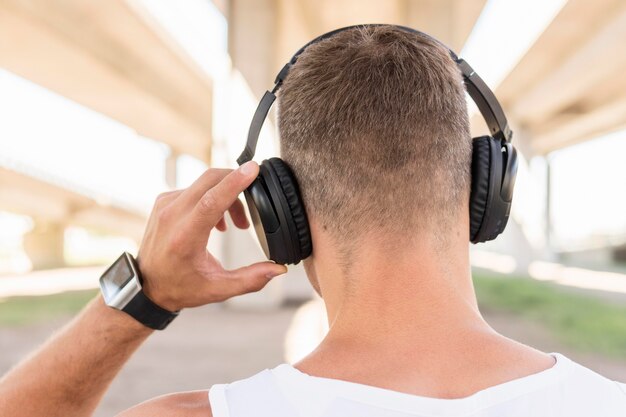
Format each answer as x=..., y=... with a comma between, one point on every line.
x=605, y=119
x=264, y=34
x=575, y=24
x=594, y=63
x=569, y=86
x=51, y=203
x=450, y=21
x=111, y=57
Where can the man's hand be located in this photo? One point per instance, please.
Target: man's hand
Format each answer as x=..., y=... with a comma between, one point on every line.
x=177, y=269
x=71, y=372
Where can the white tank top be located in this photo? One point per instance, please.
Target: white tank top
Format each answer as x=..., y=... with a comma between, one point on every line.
x=567, y=389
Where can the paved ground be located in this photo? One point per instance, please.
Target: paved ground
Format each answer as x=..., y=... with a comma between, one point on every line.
x=202, y=347
x=213, y=344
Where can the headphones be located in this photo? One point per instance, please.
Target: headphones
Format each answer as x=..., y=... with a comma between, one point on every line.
x=274, y=201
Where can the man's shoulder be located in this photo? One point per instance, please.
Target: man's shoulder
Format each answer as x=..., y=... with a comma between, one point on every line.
x=182, y=404
x=580, y=382
x=248, y=391
x=581, y=372
x=586, y=384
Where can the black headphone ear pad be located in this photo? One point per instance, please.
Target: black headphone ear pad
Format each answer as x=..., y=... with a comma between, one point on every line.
x=291, y=192
x=479, y=197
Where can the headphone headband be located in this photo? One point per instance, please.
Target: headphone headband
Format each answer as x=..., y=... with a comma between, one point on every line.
x=478, y=90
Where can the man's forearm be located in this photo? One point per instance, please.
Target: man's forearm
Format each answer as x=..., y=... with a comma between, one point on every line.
x=69, y=374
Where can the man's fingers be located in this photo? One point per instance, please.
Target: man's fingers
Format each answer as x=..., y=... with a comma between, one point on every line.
x=238, y=214
x=205, y=182
x=166, y=198
x=221, y=225
x=254, y=277
x=224, y=284
x=212, y=205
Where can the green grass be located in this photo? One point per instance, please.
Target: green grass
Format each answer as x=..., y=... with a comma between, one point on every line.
x=17, y=311
x=580, y=321
x=585, y=323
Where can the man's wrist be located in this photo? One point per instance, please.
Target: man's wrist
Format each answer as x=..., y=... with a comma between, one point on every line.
x=152, y=291
x=162, y=302
x=122, y=287
x=119, y=318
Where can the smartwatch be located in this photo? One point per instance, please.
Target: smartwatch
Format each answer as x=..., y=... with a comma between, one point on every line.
x=121, y=289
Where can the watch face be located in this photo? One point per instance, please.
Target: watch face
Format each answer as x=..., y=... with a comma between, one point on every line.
x=116, y=277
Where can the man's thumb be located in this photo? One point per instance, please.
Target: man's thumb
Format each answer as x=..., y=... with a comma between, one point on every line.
x=254, y=277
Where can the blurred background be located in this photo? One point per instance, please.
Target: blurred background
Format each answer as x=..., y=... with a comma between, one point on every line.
x=103, y=105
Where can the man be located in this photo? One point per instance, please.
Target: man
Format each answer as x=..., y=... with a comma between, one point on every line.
x=374, y=124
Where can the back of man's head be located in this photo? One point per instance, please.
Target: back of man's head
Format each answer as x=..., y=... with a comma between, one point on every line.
x=373, y=122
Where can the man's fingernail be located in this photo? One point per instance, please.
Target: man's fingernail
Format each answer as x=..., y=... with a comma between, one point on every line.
x=247, y=168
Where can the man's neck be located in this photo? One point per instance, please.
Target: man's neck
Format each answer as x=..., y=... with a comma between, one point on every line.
x=413, y=295
x=411, y=315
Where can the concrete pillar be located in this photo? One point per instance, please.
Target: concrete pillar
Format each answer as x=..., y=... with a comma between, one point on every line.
x=44, y=245
x=241, y=249
x=252, y=48
x=171, y=170
x=548, y=208
x=252, y=26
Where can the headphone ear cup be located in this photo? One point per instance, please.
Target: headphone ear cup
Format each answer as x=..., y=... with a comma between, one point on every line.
x=494, y=168
x=264, y=217
x=479, y=197
x=299, y=225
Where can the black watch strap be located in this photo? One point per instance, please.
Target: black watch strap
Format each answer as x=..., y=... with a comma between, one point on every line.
x=142, y=309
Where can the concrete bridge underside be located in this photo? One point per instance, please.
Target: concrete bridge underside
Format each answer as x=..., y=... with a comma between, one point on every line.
x=569, y=86
x=114, y=58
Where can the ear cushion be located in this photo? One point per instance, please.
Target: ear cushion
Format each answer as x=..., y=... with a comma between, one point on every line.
x=479, y=197
x=292, y=194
